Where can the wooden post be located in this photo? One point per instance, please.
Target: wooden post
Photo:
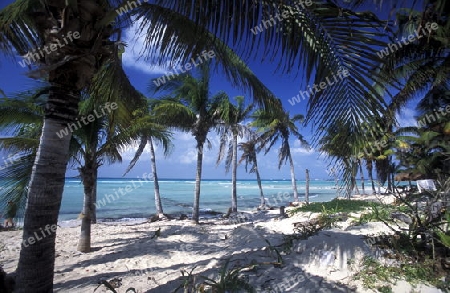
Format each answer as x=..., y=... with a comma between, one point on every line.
x=307, y=187
x=282, y=211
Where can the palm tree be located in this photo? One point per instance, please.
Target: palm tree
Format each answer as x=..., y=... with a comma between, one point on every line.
x=189, y=107
x=148, y=130
x=93, y=144
x=249, y=151
x=231, y=128
x=275, y=125
x=27, y=25
x=419, y=68
x=340, y=143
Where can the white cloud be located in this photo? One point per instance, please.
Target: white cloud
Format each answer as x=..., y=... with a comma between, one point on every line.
x=189, y=156
x=302, y=151
x=299, y=149
x=406, y=117
x=133, y=56
x=129, y=152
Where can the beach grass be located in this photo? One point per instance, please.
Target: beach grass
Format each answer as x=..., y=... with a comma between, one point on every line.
x=336, y=206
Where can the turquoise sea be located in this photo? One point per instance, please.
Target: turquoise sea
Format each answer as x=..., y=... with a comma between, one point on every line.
x=131, y=198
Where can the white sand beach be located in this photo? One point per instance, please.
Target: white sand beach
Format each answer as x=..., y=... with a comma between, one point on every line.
x=325, y=262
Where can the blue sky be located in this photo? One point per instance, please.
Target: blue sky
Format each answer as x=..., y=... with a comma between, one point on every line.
x=181, y=163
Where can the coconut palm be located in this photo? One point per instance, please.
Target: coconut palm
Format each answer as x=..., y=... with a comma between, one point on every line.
x=342, y=144
x=419, y=68
x=149, y=130
x=249, y=155
x=91, y=145
x=189, y=107
x=276, y=125
x=230, y=129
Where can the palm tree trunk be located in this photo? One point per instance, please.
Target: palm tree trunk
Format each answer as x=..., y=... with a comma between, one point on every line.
x=94, y=200
x=362, y=177
x=234, y=175
x=158, y=204
x=89, y=178
x=307, y=187
x=198, y=178
x=261, y=194
x=355, y=185
x=370, y=174
x=294, y=182
x=37, y=254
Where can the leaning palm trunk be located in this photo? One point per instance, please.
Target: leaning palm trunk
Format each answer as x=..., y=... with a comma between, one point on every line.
x=261, y=194
x=198, y=178
x=158, y=204
x=89, y=175
x=294, y=182
x=234, y=175
x=37, y=254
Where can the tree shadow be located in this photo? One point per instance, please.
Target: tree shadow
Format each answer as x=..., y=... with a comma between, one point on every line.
x=142, y=262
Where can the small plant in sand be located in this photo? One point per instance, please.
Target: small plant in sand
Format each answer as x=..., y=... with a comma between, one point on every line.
x=228, y=280
x=376, y=213
x=111, y=285
x=274, y=251
x=189, y=282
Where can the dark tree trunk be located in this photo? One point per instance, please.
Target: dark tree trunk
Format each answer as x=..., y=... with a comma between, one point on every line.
x=37, y=254
x=67, y=78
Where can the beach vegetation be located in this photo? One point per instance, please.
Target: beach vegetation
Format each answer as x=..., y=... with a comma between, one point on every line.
x=381, y=277
x=377, y=212
x=336, y=205
x=275, y=252
x=227, y=280
x=420, y=252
